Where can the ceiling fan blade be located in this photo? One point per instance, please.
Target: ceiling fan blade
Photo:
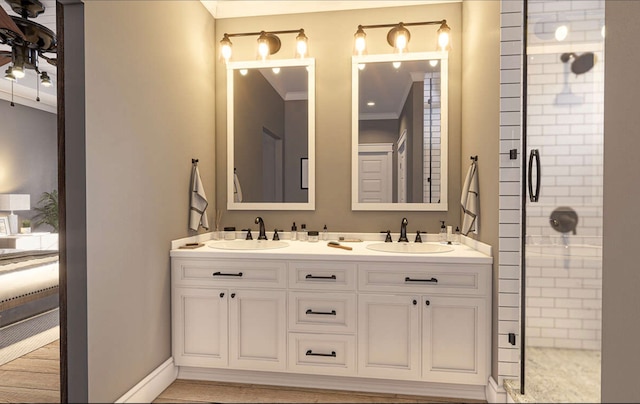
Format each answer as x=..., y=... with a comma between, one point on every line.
x=7, y=24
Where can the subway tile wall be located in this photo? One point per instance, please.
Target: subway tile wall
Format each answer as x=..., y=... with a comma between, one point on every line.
x=432, y=149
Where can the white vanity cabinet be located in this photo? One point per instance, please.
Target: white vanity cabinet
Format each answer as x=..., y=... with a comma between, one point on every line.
x=385, y=322
x=224, y=317
x=431, y=323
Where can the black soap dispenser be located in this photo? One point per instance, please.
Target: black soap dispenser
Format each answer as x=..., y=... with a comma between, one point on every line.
x=294, y=232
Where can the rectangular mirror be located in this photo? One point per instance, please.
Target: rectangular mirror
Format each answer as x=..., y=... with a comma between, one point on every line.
x=399, y=132
x=271, y=135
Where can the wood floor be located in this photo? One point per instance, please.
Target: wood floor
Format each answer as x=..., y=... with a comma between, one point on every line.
x=35, y=378
x=32, y=378
x=194, y=391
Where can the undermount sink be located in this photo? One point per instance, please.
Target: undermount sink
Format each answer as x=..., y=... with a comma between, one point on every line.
x=410, y=248
x=248, y=244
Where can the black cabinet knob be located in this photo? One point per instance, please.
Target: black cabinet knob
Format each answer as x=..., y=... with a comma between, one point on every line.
x=233, y=295
x=415, y=302
x=427, y=302
x=222, y=294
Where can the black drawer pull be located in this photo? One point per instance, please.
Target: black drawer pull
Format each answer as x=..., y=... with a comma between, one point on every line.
x=223, y=274
x=432, y=280
x=309, y=276
x=328, y=313
x=311, y=353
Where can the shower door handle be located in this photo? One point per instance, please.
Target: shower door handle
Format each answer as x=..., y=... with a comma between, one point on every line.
x=534, y=155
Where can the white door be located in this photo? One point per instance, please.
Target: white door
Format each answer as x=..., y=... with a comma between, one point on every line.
x=257, y=329
x=389, y=336
x=200, y=327
x=375, y=172
x=272, y=161
x=402, y=167
x=454, y=340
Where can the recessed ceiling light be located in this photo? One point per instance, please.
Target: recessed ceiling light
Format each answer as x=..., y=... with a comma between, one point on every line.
x=433, y=62
x=361, y=66
x=396, y=65
x=244, y=72
x=371, y=103
x=276, y=70
x=561, y=33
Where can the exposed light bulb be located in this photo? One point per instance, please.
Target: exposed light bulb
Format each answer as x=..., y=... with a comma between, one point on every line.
x=263, y=50
x=225, y=48
x=561, y=33
x=18, y=72
x=401, y=42
x=360, y=41
x=9, y=74
x=45, y=79
x=301, y=44
x=443, y=40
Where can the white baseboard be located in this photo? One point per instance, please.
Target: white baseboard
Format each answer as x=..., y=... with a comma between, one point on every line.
x=151, y=386
x=495, y=393
x=473, y=392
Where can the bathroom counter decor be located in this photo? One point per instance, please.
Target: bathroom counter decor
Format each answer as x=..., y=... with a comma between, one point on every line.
x=309, y=315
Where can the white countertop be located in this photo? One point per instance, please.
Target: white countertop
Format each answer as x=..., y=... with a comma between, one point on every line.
x=470, y=252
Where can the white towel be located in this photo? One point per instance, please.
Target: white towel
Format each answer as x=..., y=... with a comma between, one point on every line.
x=237, y=189
x=198, y=205
x=470, y=201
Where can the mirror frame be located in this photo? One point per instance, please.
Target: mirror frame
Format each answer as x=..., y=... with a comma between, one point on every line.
x=309, y=63
x=444, y=130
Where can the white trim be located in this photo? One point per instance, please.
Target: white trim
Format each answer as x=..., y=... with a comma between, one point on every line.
x=495, y=393
x=151, y=386
x=462, y=391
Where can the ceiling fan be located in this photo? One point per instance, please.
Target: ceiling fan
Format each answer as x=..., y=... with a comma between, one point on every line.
x=28, y=40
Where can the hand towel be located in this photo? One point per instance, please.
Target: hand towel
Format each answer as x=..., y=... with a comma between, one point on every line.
x=198, y=205
x=237, y=190
x=470, y=201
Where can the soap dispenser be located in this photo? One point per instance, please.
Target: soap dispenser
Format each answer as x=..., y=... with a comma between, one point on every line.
x=443, y=232
x=294, y=232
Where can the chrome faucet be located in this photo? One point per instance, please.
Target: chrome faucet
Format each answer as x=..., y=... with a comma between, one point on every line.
x=403, y=231
x=263, y=234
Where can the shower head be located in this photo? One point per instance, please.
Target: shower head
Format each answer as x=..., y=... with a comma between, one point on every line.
x=581, y=63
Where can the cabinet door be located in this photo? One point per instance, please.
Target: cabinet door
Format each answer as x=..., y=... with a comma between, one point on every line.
x=200, y=327
x=454, y=340
x=257, y=329
x=389, y=336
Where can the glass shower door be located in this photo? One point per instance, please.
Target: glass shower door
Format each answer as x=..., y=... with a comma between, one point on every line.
x=562, y=206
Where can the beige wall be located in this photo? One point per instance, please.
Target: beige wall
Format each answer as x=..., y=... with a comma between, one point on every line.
x=621, y=273
x=149, y=110
x=480, y=123
x=331, y=43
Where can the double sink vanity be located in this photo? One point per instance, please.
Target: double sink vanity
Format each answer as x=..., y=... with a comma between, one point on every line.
x=302, y=313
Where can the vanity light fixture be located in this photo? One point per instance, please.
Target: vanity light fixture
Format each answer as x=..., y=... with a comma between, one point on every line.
x=399, y=36
x=268, y=43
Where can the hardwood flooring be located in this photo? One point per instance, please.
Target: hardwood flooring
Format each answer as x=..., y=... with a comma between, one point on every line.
x=32, y=378
x=35, y=378
x=195, y=391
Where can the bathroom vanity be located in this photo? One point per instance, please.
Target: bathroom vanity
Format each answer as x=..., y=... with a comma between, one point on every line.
x=303, y=314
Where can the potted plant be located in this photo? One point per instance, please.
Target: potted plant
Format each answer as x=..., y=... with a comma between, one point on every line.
x=26, y=226
x=47, y=210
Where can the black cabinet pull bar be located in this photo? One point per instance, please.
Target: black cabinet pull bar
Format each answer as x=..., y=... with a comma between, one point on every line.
x=329, y=313
x=223, y=274
x=309, y=276
x=311, y=353
x=432, y=280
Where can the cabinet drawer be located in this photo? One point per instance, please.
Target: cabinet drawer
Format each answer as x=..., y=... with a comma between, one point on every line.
x=322, y=275
x=322, y=312
x=331, y=354
x=244, y=273
x=436, y=278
